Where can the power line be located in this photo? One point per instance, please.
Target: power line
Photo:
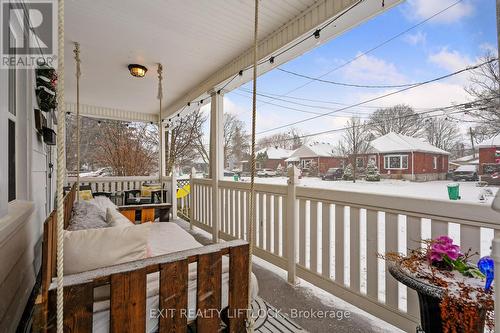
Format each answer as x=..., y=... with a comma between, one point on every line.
x=315, y=106
x=353, y=126
x=379, y=45
x=353, y=85
x=383, y=96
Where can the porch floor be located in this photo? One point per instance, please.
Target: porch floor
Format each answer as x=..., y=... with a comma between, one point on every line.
x=305, y=299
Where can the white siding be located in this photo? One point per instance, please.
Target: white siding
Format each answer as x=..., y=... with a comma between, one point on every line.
x=21, y=221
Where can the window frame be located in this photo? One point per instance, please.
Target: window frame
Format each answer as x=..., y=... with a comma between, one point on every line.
x=387, y=162
x=434, y=162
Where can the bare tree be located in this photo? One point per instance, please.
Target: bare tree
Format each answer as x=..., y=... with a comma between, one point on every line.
x=235, y=138
x=442, y=133
x=130, y=150
x=484, y=88
x=185, y=141
x=355, y=140
x=401, y=119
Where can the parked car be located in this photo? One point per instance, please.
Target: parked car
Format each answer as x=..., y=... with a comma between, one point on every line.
x=333, y=174
x=465, y=172
x=266, y=173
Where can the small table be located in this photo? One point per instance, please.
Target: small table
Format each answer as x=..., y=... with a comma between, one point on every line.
x=147, y=212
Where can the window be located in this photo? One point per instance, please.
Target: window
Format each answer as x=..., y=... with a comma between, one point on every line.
x=434, y=162
x=306, y=164
x=359, y=162
x=396, y=162
x=12, y=160
x=11, y=134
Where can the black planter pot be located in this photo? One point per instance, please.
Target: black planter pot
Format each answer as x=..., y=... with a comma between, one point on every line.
x=429, y=298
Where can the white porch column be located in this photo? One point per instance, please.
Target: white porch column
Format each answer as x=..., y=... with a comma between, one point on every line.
x=292, y=223
x=216, y=156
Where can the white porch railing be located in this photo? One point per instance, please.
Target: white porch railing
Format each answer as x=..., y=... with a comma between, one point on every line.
x=339, y=235
x=117, y=184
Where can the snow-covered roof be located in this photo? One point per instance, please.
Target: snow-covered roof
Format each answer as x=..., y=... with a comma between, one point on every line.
x=493, y=142
x=314, y=150
x=275, y=153
x=466, y=158
x=394, y=142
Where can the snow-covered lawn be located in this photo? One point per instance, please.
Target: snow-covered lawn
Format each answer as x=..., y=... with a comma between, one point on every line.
x=469, y=192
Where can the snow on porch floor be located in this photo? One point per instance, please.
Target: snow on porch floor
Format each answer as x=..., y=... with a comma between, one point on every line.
x=304, y=299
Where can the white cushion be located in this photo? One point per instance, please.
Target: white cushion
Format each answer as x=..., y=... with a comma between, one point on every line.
x=116, y=219
x=90, y=249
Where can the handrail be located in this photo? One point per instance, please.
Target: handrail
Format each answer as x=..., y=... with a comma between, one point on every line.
x=452, y=211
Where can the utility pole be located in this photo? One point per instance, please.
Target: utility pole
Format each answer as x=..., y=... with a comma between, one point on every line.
x=472, y=142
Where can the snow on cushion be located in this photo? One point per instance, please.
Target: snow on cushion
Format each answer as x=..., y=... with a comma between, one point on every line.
x=116, y=219
x=103, y=203
x=85, y=250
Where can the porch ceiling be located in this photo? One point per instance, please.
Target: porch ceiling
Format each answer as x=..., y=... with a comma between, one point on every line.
x=200, y=44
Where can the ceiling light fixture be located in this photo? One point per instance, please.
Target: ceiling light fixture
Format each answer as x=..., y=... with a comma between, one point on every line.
x=137, y=70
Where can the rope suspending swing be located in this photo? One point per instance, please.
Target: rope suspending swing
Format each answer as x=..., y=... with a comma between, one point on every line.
x=76, y=51
x=251, y=225
x=61, y=166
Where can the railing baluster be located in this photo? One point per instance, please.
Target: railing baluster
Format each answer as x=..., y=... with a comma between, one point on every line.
x=302, y=232
x=313, y=235
x=339, y=244
x=242, y=214
x=268, y=222
x=413, y=241
x=391, y=245
x=372, y=253
x=355, y=254
x=260, y=222
x=237, y=209
x=276, y=224
x=325, y=238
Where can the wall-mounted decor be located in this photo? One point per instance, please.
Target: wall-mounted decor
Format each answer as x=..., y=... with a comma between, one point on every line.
x=49, y=136
x=40, y=121
x=46, y=84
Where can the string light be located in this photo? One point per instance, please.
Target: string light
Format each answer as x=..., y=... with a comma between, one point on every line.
x=271, y=60
x=240, y=73
x=317, y=33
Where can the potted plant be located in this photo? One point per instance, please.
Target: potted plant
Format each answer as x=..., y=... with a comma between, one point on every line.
x=455, y=295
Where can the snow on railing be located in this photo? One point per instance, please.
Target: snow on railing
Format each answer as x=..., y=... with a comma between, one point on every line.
x=334, y=237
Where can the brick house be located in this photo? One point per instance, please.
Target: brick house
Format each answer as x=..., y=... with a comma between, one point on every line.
x=489, y=156
x=404, y=157
x=271, y=158
x=316, y=158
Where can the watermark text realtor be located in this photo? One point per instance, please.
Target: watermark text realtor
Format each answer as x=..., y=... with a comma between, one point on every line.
x=28, y=33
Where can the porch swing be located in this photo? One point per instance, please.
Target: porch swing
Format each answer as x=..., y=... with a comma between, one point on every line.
x=187, y=283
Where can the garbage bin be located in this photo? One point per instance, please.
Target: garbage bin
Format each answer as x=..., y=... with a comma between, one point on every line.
x=454, y=191
x=236, y=177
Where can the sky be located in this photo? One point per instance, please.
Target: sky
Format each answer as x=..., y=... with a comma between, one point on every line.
x=450, y=41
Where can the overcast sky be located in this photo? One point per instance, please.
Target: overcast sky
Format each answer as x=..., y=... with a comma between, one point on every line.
x=449, y=42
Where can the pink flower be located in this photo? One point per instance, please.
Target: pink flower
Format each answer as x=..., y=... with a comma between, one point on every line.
x=443, y=246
